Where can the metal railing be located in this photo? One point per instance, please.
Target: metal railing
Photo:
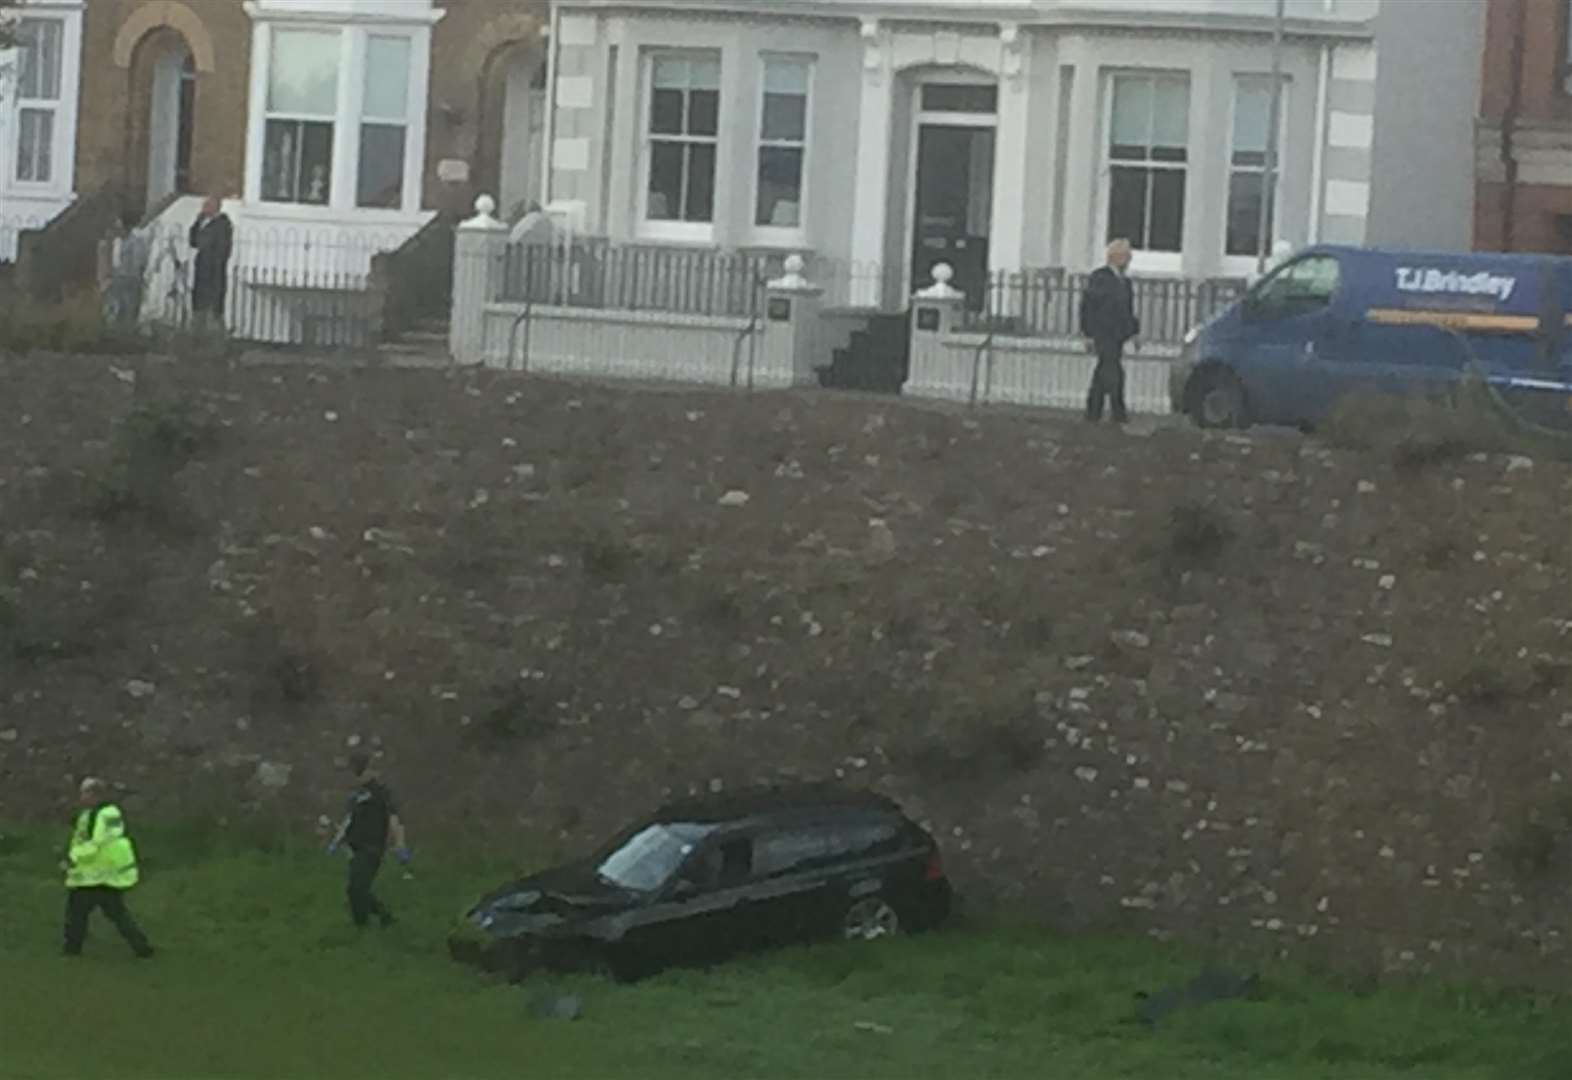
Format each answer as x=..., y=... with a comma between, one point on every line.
x=1046, y=303
x=284, y=286
x=596, y=273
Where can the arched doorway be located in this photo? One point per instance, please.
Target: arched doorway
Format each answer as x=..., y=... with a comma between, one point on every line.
x=169, y=127
x=162, y=121
x=512, y=148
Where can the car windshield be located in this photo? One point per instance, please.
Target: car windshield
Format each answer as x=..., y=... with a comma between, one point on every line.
x=649, y=858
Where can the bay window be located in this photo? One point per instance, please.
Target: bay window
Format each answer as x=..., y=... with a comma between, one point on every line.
x=338, y=108
x=383, y=121
x=783, y=143
x=1148, y=156
x=1252, y=126
x=302, y=105
x=40, y=52
x=683, y=135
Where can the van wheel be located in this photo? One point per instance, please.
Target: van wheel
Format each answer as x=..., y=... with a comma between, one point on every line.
x=870, y=919
x=1219, y=401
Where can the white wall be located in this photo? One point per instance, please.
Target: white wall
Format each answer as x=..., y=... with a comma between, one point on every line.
x=1033, y=372
x=645, y=346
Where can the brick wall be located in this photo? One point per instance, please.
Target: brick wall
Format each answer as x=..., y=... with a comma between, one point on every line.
x=122, y=37
x=1539, y=204
x=1544, y=48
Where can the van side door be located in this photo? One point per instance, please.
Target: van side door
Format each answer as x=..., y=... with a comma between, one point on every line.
x=1292, y=354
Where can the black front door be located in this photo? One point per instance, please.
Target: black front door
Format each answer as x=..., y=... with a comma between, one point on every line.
x=954, y=207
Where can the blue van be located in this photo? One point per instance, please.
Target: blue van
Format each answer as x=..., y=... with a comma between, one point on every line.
x=1336, y=321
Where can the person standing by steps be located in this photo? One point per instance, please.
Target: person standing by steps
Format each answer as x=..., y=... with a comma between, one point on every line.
x=100, y=868
x=213, y=237
x=1108, y=319
x=371, y=822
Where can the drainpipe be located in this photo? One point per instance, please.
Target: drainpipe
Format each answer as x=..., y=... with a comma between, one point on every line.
x=1509, y=131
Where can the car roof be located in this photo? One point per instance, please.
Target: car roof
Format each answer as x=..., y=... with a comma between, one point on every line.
x=795, y=801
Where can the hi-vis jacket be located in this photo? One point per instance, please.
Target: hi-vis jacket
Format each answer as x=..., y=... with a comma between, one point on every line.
x=101, y=854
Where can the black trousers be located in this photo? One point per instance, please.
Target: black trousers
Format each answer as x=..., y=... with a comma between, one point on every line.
x=363, y=867
x=80, y=904
x=1108, y=382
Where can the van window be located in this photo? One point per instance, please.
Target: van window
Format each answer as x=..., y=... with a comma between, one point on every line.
x=1299, y=288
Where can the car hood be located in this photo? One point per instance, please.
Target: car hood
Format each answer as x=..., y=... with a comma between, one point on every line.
x=566, y=892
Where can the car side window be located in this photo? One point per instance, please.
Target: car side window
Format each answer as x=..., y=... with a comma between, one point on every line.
x=789, y=850
x=1301, y=287
x=723, y=864
x=806, y=848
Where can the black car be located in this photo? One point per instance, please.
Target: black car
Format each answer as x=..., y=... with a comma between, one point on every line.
x=706, y=878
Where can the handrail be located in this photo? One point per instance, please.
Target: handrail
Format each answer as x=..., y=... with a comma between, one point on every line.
x=986, y=346
x=747, y=335
x=526, y=319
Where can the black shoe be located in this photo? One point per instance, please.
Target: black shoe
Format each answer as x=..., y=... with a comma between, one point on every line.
x=146, y=954
x=387, y=919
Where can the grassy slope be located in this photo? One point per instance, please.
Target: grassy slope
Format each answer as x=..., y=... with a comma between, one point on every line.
x=259, y=977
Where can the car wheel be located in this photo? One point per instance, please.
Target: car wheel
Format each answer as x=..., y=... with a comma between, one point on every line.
x=1219, y=402
x=870, y=919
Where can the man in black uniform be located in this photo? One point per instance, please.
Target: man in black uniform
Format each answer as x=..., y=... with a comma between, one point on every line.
x=372, y=819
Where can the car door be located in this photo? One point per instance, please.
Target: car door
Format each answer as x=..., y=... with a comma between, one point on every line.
x=810, y=875
x=793, y=871
x=1293, y=352
x=698, y=918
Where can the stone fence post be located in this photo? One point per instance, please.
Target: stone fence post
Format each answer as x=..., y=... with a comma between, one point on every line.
x=479, y=249
x=791, y=340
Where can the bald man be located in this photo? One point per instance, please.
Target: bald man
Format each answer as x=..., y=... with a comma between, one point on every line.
x=1108, y=320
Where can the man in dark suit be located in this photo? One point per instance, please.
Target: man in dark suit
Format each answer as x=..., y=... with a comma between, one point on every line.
x=1108, y=319
x=213, y=237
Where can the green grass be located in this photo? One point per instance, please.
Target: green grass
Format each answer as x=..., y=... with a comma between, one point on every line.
x=258, y=976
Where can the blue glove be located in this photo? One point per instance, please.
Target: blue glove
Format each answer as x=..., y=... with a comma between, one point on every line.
x=403, y=855
x=332, y=849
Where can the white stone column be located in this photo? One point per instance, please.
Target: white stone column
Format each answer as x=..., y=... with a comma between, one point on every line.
x=1011, y=184
x=791, y=339
x=1083, y=174
x=871, y=193
x=479, y=249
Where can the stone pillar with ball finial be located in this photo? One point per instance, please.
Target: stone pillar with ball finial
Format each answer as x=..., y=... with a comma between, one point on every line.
x=480, y=247
x=792, y=305
x=933, y=369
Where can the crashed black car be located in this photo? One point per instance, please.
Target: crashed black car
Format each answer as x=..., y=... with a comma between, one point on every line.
x=706, y=878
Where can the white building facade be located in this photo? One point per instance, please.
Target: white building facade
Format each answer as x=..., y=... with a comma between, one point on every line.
x=884, y=136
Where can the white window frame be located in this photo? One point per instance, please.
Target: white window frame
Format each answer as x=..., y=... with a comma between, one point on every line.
x=365, y=119
x=692, y=232
x=1245, y=265
x=778, y=235
x=1142, y=260
x=354, y=30
x=61, y=185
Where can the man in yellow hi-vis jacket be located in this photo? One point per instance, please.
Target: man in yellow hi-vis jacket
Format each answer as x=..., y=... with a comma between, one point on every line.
x=100, y=867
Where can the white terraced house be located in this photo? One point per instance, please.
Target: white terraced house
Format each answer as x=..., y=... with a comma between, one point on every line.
x=883, y=136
